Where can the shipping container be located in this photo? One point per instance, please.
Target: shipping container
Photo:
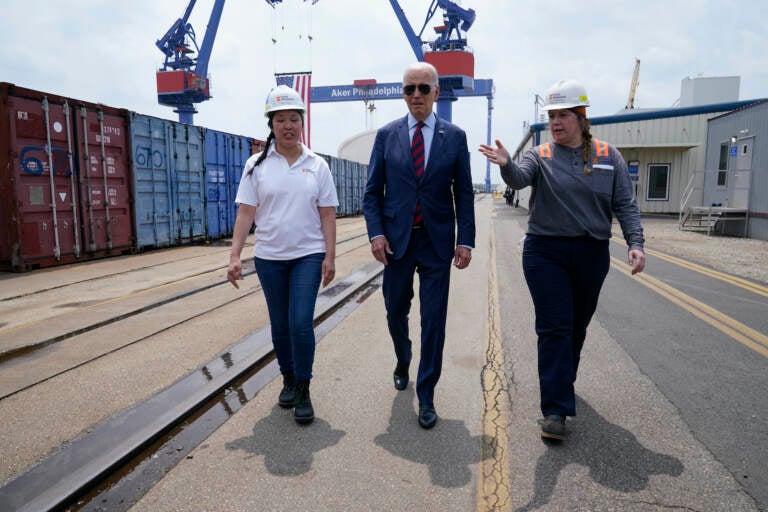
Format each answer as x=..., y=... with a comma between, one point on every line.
x=257, y=146
x=64, y=180
x=225, y=157
x=81, y=180
x=349, y=178
x=168, y=182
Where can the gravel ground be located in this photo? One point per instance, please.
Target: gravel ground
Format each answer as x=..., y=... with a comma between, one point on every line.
x=742, y=257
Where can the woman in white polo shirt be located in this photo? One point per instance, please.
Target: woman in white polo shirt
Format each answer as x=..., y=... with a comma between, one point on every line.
x=288, y=191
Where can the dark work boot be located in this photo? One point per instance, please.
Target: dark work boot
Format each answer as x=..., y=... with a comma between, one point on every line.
x=553, y=427
x=303, y=412
x=288, y=393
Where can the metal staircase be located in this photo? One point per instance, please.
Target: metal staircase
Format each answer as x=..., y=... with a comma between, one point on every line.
x=700, y=218
x=707, y=218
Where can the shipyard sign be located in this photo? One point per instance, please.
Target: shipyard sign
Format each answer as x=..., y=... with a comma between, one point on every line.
x=388, y=91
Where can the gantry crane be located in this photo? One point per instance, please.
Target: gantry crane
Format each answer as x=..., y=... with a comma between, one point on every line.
x=183, y=79
x=451, y=57
x=448, y=52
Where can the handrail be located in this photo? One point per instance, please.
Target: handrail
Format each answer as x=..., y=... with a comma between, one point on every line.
x=684, y=197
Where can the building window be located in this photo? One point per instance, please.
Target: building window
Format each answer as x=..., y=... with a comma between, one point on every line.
x=722, y=173
x=658, y=182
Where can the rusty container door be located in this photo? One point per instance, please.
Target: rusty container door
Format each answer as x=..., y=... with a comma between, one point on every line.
x=41, y=204
x=38, y=192
x=105, y=179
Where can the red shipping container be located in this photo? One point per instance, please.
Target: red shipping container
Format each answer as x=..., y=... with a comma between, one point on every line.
x=64, y=180
x=451, y=63
x=170, y=82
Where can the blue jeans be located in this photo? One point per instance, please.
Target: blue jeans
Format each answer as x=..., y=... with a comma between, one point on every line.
x=290, y=287
x=564, y=275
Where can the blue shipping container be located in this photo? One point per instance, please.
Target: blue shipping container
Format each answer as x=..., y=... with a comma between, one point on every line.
x=225, y=157
x=168, y=181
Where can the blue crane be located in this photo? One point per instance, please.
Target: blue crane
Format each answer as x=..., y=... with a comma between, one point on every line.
x=183, y=79
x=455, y=19
x=448, y=52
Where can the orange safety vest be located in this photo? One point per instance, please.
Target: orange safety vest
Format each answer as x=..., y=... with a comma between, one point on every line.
x=600, y=147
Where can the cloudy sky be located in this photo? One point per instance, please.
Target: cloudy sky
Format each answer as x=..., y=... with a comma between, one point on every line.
x=104, y=51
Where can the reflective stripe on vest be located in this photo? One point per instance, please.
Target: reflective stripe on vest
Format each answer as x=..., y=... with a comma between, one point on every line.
x=601, y=148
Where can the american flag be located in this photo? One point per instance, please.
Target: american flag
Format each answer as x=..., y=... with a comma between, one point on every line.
x=301, y=83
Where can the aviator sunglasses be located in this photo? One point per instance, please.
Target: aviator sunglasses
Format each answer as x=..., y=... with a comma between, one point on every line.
x=408, y=90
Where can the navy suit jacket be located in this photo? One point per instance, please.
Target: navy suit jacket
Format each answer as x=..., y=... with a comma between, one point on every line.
x=445, y=192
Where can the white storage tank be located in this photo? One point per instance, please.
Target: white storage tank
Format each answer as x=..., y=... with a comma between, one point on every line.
x=358, y=147
x=709, y=90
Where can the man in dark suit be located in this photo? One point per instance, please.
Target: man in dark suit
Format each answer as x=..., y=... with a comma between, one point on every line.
x=419, y=211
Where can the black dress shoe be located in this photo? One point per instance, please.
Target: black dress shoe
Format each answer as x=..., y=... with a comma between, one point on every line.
x=427, y=416
x=401, y=378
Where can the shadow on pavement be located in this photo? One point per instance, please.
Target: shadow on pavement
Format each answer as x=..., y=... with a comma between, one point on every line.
x=287, y=447
x=613, y=455
x=448, y=449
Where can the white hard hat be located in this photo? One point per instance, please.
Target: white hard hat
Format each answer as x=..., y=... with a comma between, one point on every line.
x=566, y=94
x=283, y=97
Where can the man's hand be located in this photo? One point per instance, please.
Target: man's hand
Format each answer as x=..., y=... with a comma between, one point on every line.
x=380, y=249
x=462, y=257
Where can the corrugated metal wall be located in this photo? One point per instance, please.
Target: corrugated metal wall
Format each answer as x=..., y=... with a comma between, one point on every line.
x=742, y=125
x=64, y=180
x=225, y=157
x=349, y=178
x=677, y=141
x=80, y=180
x=168, y=182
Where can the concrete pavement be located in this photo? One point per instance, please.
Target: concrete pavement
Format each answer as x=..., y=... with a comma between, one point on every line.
x=628, y=448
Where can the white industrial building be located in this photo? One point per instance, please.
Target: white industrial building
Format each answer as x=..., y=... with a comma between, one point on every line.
x=666, y=153
x=736, y=170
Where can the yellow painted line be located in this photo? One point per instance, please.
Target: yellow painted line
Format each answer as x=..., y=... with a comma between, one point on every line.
x=744, y=334
x=734, y=280
x=493, y=482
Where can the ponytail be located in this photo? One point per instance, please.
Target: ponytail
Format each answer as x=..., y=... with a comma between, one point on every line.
x=586, y=143
x=263, y=154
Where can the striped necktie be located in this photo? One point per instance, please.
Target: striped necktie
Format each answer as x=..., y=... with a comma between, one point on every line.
x=417, y=153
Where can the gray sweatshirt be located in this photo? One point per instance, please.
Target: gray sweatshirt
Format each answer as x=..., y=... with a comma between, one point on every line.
x=566, y=201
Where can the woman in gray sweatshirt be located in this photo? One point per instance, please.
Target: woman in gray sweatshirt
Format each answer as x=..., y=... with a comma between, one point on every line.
x=578, y=184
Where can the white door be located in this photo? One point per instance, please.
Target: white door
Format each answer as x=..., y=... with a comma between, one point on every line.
x=738, y=187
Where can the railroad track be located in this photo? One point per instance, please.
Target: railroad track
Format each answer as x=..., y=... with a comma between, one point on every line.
x=71, y=353
x=120, y=459
x=115, y=453
x=21, y=337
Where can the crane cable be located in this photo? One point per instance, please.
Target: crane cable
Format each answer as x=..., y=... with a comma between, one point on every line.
x=279, y=25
